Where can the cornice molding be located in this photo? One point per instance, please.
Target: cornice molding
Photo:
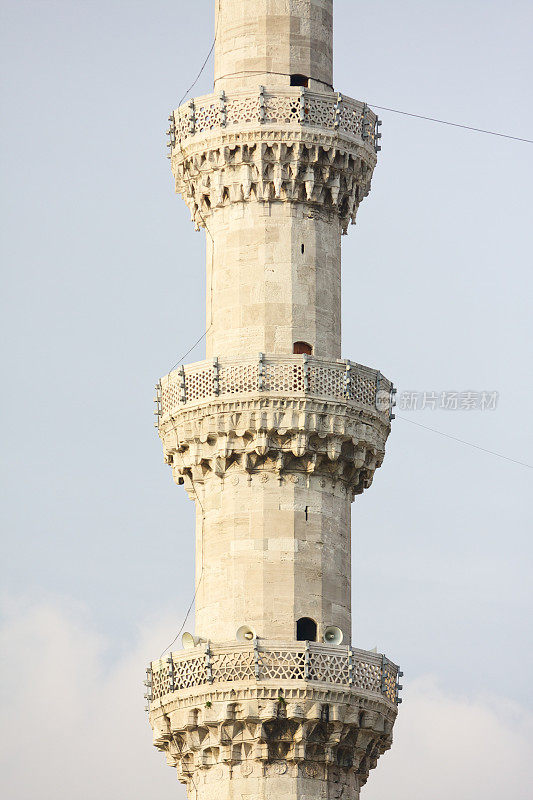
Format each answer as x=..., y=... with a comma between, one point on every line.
x=283, y=437
x=273, y=167
x=336, y=737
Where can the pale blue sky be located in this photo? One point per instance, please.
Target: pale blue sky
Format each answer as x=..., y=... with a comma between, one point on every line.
x=103, y=291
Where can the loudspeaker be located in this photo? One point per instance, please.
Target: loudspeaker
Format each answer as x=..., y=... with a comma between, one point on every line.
x=245, y=634
x=189, y=640
x=333, y=635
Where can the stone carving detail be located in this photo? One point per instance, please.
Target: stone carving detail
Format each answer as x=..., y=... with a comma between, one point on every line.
x=277, y=768
x=232, y=665
x=324, y=175
x=340, y=666
x=277, y=436
x=294, y=375
x=337, y=741
x=284, y=107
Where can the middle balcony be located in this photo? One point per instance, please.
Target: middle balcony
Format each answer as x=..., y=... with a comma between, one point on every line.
x=286, y=414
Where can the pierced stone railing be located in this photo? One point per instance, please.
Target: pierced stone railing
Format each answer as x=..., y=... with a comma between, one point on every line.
x=295, y=376
x=271, y=661
x=290, y=107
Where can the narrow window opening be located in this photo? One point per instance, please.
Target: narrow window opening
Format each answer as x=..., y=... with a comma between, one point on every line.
x=306, y=630
x=324, y=713
x=302, y=348
x=303, y=249
x=299, y=80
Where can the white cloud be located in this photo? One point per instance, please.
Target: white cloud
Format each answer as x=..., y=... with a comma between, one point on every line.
x=453, y=747
x=74, y=729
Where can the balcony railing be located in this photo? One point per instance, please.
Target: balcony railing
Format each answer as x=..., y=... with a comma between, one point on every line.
x=295, y=376
x=272, y=661
x=290, y=107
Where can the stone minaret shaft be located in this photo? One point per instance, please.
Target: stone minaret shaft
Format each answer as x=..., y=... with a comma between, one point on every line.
x=268, y=43
x=273, y=435
x=273, y=269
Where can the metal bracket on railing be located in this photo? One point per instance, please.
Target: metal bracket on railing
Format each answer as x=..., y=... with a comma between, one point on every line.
x=365, y=127
x=398, y=687
x=307, y=662
x=377, y=135
x=338, y=110
x=348, y=381
x=216, y=373
x=148, y=683
x=223, y=112
x=208, y=665
x=383, y=675
x=351, y=667
x=262, y=112
x=393, y=392
x=171, y=133
x=171, y=683
x=261, y=372
x=256, y=659
x=157, y=400
x=386, y=667
x=307, y=376
x=192, y=117
x=183, y=385
x=302, y=105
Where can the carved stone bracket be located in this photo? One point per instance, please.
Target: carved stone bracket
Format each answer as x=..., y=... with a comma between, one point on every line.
x=335, y=737
x=273, y=167
x=325, y=439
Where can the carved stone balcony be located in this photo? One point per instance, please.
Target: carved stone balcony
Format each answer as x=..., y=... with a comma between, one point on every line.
x=276, y=376
x=279, y=714
x=288, y=145
x=286, y=414
x=296, y=108
x=272, y=663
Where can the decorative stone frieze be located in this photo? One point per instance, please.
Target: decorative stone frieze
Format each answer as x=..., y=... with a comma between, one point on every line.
x=277, y=435
x=277, y=109
x=288, y=738
x=294, y=376
x=280, y=166
x=260, y=660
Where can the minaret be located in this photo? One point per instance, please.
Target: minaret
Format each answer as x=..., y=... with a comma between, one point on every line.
x=273, y=434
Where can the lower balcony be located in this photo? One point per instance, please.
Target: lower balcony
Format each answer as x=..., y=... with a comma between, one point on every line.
x=272, y=663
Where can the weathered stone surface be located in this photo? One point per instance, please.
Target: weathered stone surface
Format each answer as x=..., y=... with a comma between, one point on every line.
x=312, y=169
x=273, y=742
x=309, y=437
x=274, y=40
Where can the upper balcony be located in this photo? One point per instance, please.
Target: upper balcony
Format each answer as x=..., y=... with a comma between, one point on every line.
x=291, y=108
